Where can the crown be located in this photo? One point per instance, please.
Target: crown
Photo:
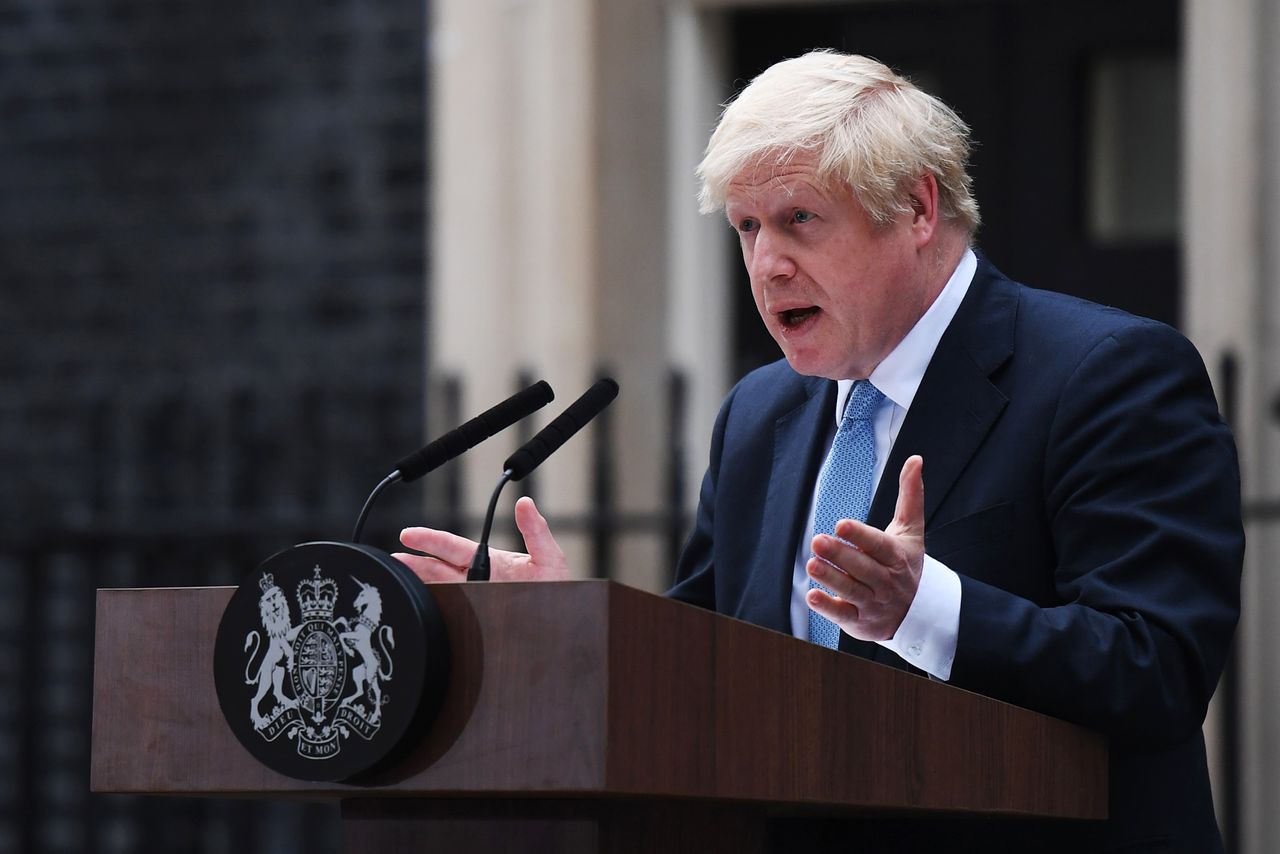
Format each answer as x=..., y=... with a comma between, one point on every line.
x=317, y=596
x=266, y=582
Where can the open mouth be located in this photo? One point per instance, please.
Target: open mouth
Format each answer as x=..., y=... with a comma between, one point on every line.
x=793, y=317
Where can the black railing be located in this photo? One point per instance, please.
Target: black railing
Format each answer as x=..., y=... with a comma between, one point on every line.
x=1229, y=685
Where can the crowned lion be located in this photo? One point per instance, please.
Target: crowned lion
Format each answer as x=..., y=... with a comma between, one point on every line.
x=274, y=608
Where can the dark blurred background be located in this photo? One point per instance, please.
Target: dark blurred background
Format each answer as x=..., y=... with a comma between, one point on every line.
x=211, y=343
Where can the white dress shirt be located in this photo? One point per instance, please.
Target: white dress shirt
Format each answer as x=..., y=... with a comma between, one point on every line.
x=927, y=637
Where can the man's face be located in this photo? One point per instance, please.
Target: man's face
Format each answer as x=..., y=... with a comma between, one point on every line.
x=836, y=291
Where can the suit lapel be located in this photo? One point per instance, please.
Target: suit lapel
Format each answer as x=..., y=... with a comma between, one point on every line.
x=797, y=455
x=956, y=404
x=953, y=411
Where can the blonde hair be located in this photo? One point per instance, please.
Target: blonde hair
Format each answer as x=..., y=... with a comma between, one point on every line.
x=871, y=129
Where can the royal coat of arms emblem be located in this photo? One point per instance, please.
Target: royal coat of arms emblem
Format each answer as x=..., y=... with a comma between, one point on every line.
x=303, y=661
x=321, y=681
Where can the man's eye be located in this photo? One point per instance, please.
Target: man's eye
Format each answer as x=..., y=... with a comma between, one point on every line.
x=802, y=216
x=747, y=225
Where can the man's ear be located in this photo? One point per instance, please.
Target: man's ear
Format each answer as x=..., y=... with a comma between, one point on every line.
x=922, y=196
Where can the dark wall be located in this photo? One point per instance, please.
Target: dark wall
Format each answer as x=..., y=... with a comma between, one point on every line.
x=200, y=201
x=212, y=259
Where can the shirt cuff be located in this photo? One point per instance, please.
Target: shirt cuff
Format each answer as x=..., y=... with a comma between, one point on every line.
x=927, y=637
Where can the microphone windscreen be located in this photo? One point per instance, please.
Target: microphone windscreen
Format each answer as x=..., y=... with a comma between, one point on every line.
x=457, y=442
x=555, y=434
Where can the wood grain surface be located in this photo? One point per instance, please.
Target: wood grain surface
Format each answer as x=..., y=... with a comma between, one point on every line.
x=588, y=689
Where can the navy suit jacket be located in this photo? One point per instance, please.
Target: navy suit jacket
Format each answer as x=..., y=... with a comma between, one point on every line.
x=1079, y=479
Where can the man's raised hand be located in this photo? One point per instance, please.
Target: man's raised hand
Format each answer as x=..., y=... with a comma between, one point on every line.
x=450, y=555
x=875, y=579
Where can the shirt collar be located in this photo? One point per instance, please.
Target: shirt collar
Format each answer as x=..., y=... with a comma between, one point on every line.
x=898, y=376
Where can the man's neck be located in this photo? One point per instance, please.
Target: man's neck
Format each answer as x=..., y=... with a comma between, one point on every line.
x=950, y=247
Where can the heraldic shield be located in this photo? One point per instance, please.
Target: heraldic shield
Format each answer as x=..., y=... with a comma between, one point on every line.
x=331, y=661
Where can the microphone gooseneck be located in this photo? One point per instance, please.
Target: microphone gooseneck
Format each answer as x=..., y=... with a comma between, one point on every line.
x=479, y=569
x=368, y=504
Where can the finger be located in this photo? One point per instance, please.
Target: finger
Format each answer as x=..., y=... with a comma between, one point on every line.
x=838, y=611
x=874, y=545
x=430, y=569
x=839, y=582
x=908, y=516
x=448, y=547
x=542, y=547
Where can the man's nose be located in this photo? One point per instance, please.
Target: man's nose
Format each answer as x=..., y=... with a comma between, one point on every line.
x=770, y=258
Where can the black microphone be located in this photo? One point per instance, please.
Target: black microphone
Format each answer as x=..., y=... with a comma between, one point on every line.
x=458, y=441
x=534, y=452
x=555, y=434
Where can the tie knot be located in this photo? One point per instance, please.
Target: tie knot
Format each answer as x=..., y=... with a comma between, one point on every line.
x=863, y=402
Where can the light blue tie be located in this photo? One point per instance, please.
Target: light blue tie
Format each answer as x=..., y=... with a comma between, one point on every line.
x=844, y=489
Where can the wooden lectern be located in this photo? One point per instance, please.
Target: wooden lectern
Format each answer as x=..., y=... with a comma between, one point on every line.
x=585, y=716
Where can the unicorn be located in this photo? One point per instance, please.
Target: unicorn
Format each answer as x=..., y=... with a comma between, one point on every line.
x=357, y=640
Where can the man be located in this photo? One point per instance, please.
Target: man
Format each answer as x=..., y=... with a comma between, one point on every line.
x=1065, y=531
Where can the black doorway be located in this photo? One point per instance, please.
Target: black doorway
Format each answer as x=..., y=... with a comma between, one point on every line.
x=1074, y=113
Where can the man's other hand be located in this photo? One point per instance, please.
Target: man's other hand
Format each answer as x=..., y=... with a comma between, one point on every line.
x=449, y=556
x=876, y=573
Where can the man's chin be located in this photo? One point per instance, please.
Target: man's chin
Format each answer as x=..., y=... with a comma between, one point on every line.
x=811, y=367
